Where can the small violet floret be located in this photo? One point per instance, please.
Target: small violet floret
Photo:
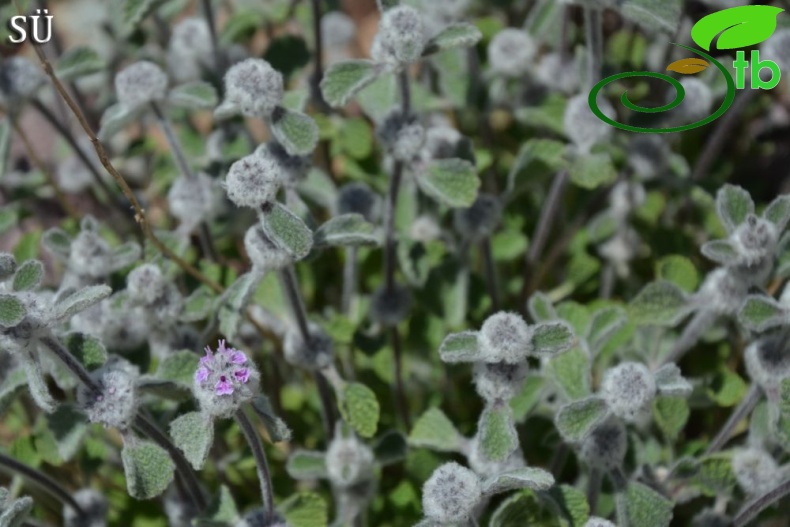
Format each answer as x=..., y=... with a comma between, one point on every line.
x=224, y=361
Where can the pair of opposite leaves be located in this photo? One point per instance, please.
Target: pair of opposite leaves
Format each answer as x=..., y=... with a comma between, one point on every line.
x=738, y=27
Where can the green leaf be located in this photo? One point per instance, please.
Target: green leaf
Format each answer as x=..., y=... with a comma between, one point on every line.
x=343, y=80
x=391, y=447
x=28, y=276
x=680, y=271
x=135, y=11
x=520, y=478
x=435, y=431
x=68, y=427
x=241, y=25
x=14, y=513
x=737, y=27
x=571, y=371
x=664, y=15
x=148, y=469
x=80, y=301
x=195, y=95
x=660, y=303
x=733, y=204
x=13, y=384
x=761, y=312
x=540, y=308
x=671, y=414
x=87, y=349
x=452, y=182
x=8, y=216
x=305, y=510
x=604, y=324
x=537, y=158
x=12, y=310
x=360, y=409
x=306, y=464
x=496, y=433
x=592, y=171
x=528, y=397
x=125, y=255
x=198, y=305
x=778, y=212
x=38, y=385
x=346, y=230
x=572, y=503
x=457, y=35
x=295, y=131
x=521, y=509
x=784, y=397
x=647, y=508
x=550, y=338
x=576, y=420
x=193, y=434
x=726, y=388
x=114, y=119
x=78, y=62
x=286, y=230
x=221, y=512
x=720, y=251
x=58, y=242
x=276, y=427
x=715, y=475
x=460, y=347
x=232, y=303
x=670, y=382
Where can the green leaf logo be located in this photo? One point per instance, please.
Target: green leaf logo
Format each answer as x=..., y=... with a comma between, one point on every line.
x=739, y=27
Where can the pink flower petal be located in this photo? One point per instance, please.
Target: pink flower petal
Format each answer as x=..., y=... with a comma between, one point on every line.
x=223, y=386
x=221, y=348
x=237, y=357
x=242, y=375
x=201, y=375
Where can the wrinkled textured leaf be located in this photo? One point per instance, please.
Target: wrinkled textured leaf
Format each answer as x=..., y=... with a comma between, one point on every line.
x=497, y=433
x=572, y=372
x=193, y=434
x=680, y=271
x=276, y=427
x=114, y=119
x=58, y=242
x=778, y=212
x=15, y=512
x=87, y=349
x=295, y=131
x=592, y=171
x=233, y=301
x=576, y=420
x=306, y=464
x=287, y=231
x=460, y=347
x=12, y=310
x=360, y=409
x=671, y=414
x=197, y=95
x=148, y=469
x=28, y=276
x=761, y=312
x=78, y=62
x=541, y=308
x=659, y=304
x=80, y=301
x=452, y=182
x=522, y=478
x=720, y=251
x=434, y=430
x=68, y=426
x=733, y=204
x=457, y=35
x=647, y=508
x=347, y=230
x=605, y=322
x=343, y=80
x=669, y=381
x=198, y=305
x=550, y=338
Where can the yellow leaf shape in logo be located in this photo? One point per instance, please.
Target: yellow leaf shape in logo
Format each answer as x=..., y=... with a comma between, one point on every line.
x=688, y=66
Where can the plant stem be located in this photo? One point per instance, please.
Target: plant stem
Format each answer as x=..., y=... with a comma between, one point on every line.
x=700, y=322
x=594, y=489
x=759, y=504
x=400, y=391
x=349, y=280
x=327, y=406
x=594, y=32
x=43, y=481
x=318, y=69
x=208, y=13
x=744, y=408
x=490, y=271
x=254, y=440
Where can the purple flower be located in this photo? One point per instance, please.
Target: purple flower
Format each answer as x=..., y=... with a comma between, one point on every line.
x=223, y=386
x=237, y=357
x=242, y=375
x=201, y=375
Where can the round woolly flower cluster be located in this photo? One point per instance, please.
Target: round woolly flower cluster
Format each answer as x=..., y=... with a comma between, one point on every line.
x=254, y=180
x=192, y=199
x=479, y=221
x=254, y=87
x=19, y=80
x=401, y=36
x=348, y=461
x=264, y=254
x=337, y=29
x=357, y=198
x=504, y=337
x=606, y=445
x=115, y=405
x=768, y=363
x=451, y=493
x=147, y=287
x=403, y=137
x=140, y=83
x=90, y=255
x=629, y=388
x=313, y=355
x=756, y=471
x=510, y=52
x=499, y=381
x=224, y=380
x=582, y=126
x=293, y=169
x=189, y=49
x=755, y=242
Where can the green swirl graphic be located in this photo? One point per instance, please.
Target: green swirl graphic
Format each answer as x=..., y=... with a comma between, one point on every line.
x=679, y=96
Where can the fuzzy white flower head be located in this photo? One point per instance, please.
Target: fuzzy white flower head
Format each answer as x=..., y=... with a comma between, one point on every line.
x=189, y=49
x=20, y=79
x=583, y=127
x=606, y=446
x=337, y=29
x=90, y=255
x=594, y=521
x=510, y=52
x=264, y=254
x=755, y=241
x=451, y=493
x=225, y=380
x=629, y=388
x=140, y=83
x=499, y=381
x=145, y=284
x=756, y=471
x=115, y=405
x=390, y=306
x=357, y=198
x=504, y=337
x=254, y=87
x=254, y=180
x=768, y=363
x=400, y=38
x=403, y=137
x=314, y=355
x=192, y=200
x=95, y=506
x=481, y=219
x=348, y=461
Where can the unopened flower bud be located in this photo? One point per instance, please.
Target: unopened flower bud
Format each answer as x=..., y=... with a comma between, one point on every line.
x=499, y=381
x=115, y=404
x=629, y=388
x=357, y=198
x=254, y=180
x=20, y=79
x=140, y=83
x=403, y=137
x=606, y=446
x=510, y=52
x=481, y=219
x=451, y=493
x=401, y=36
x=504, y=337
x=756, y=471
x=264, y=254
x=254, y=87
